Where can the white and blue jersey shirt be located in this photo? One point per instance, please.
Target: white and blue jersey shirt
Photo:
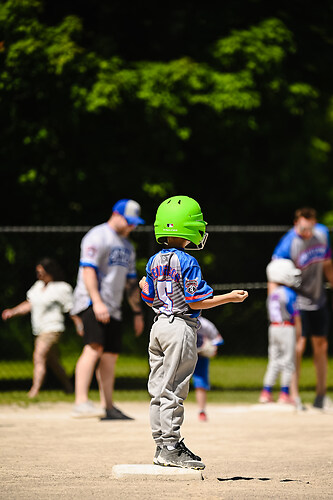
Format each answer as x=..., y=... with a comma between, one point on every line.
x=282, y=305
x=173, y=282
x=307, y=255
x=207, y=330
x=113, y=258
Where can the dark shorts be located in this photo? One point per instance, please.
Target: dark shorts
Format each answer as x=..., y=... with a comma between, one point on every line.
x=315, y=323
x=108, y=335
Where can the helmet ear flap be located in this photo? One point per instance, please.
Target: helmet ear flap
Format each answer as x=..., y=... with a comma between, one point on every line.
x=200, y=245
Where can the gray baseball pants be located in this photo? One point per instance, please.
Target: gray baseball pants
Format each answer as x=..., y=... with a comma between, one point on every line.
x=172, y=360
x=281, y=354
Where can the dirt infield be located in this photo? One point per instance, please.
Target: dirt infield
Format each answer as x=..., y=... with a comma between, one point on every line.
x=249, y=451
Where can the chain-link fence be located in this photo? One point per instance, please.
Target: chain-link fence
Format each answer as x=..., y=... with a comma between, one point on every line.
x=234, y=257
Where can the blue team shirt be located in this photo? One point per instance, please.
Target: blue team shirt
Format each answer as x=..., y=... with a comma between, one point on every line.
x=174, y=281
x=307, y=255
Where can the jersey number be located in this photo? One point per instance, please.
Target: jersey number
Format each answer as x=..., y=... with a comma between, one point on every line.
x=164, y=289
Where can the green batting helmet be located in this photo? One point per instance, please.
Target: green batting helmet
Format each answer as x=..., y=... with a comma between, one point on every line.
x=181, y=217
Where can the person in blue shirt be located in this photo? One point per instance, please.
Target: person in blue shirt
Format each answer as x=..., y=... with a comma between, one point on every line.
x=307, y=244
x=176, y=291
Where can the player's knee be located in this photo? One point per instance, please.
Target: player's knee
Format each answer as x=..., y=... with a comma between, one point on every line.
x=320, y=344
x=39, y=357
x=94, y=349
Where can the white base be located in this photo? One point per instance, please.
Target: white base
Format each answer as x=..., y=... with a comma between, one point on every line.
x=129, y=471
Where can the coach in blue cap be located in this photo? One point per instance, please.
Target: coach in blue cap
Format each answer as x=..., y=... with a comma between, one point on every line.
x=107, y=270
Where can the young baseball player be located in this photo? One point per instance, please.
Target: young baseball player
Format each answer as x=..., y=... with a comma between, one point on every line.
x=307, y=244
x=208, y=340
x=283, y=316
x=176, y=291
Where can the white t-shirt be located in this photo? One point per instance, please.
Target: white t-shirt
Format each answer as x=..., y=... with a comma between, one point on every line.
x=49, y=303
x=113, y=258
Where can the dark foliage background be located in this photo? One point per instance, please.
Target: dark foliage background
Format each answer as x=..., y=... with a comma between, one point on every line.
x=230, y=103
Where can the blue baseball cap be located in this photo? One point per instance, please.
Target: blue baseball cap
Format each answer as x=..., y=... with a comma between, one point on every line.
x=130, y=209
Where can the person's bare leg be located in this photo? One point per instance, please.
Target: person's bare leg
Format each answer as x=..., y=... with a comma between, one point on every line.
x=100, y=386
x=39, y=359
x=201, y=398
x=84, y=371
x=320, y=347
x=294, y=386
x=53, y=362
x=105, y=374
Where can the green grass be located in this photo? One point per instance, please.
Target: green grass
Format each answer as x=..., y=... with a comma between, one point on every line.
x=233, y=380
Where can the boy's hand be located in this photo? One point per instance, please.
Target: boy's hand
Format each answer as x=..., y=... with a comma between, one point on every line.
x=238, y=295
x=142, y=282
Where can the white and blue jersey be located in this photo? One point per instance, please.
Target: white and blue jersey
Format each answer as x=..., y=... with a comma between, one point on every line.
x=307, y=255
x=173, y=282
x=281, y=305
x=207, y=330
x=113, y=258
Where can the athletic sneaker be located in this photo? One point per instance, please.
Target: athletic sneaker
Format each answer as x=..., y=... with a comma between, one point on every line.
x=328, y=403
x=202, y=416
x=299, y=405
x=157, y=452
x=180, y=456
x=285, y=399
x=323, y=402
x=115, y=414
x=87, y=410
x=266, y=397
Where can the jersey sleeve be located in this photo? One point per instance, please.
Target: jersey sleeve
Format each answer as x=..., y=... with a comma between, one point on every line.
x=195, y=287
x=282, y=249
x=291, y=302
x=328, y=250
x=148, y=292
x=91, y=250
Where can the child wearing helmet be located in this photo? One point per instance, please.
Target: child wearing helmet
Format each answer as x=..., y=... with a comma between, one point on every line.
x=283, y=316
x=176, y=291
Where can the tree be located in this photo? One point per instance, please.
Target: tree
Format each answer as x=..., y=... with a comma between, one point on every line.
x=89, y=116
